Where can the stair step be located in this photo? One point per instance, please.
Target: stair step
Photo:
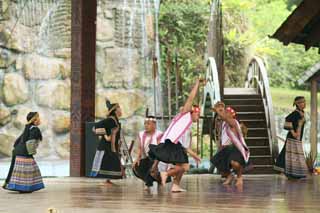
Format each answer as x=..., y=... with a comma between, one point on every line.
x=228, y=91
x=237, y=101
x=261, y=159
x=250, y=115
x=263, y=169
x=257, y=132
x=259, y=150
x=257, y=141
x=247, y=108
x=254, y=123
x=242, y=96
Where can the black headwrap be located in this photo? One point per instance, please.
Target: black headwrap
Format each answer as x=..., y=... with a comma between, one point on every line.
x=111, y=108
x=297, y=100
x=31, y=117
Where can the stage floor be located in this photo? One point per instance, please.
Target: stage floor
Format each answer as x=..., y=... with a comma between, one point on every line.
x=205, y=194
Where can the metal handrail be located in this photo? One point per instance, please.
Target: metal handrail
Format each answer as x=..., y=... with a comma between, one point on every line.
x=257, y=78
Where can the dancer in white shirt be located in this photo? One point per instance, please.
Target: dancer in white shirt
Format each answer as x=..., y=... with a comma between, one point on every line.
x=174, y=145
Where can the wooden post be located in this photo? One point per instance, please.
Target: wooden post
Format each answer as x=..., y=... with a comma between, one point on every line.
x=210, y=132
x=177, y=82
x=169, y=63
x=83, y=60
x=314, y=118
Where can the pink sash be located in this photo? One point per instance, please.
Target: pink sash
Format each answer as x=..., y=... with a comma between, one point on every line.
x=143, y=136
x=178, y=126
x=238, y=141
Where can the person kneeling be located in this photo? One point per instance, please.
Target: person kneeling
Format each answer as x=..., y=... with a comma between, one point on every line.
x=234, y=154
x=143, y=164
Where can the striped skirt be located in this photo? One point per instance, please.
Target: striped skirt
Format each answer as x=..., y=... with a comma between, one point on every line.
x=295, y=162
x=25, y=176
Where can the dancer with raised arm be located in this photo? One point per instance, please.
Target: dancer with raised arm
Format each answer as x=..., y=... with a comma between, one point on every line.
x=175, y=144
x=234, y=153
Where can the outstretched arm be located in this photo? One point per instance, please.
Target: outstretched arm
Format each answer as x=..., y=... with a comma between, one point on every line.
x=137, y=161
x=188, y=104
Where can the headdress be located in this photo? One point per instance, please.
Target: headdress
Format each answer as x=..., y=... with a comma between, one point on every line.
x=150, y=118
x=232, y=111
x=195, y=108
x=111, y=107
x=31, y=117
x=298, y=100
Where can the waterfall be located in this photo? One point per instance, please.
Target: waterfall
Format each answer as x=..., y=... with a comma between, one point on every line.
x=139, y=31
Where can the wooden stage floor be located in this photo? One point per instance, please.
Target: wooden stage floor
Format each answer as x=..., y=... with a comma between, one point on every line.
x=205, y=194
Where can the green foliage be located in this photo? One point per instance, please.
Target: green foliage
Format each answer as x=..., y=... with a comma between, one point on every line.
x=183, y=32
x=237, y=40
x=247, y=25
x=292, y=3
x=253, y=22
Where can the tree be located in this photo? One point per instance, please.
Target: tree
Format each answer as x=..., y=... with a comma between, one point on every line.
x=183, y=32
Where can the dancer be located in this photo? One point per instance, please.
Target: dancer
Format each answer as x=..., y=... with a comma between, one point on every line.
x=218, y=126
x=234, y=153
x=291, y=159
x=143, y=164
x=174, y=144
x=24, y=175
x=107, y=162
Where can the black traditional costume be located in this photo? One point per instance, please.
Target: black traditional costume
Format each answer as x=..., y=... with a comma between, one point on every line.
x=291, y=159
x=173, y=144
x=143, y=170
x=24, y=174
x=233, y=148
x=107, y=163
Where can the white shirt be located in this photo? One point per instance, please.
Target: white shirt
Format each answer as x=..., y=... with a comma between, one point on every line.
x=225, y=140
x=147, y=139
x=177, y=128
x=186, y=139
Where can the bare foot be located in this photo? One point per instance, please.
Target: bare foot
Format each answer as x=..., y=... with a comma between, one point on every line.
x=108, y=183
x=176, y=188
x=146, y=188
x=228, y=180
x=239, y=182
x=164, y=176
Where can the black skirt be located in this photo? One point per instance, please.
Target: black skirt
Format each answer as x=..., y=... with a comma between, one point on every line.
x=169, y=152
x=143, y=171
x=107, y=164
x=222, y=160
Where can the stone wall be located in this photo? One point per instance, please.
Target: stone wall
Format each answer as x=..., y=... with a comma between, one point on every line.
x=35, y=41
x=35, y=72
x=125, y=49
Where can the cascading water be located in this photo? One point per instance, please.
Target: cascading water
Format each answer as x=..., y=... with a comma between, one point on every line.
x=139, y=32
x=39, y=75
x=127, y=42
